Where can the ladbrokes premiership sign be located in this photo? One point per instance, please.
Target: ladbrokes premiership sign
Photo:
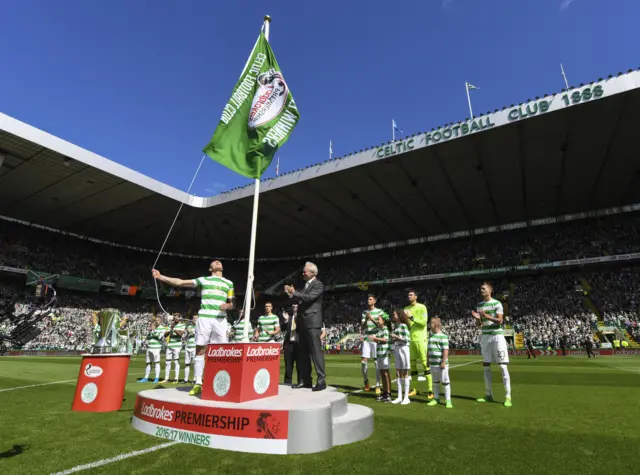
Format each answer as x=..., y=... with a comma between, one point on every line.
x=221, y=427
x=239, y=372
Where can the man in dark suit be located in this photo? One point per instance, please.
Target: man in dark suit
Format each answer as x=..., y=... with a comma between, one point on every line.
x=309, y=327
x=291, y=345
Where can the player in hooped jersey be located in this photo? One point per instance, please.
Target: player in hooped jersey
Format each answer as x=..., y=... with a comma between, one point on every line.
x=490, y=317
x=268, y=325
x=154, y=346
x=369, y=326
x=173, y=338
x=190, y=348
x=438, y=348
x=382, y=339
x=236, y=334
x=401, y=338
x=211, y=327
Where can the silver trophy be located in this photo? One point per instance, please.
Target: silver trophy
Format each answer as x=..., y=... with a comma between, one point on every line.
x=107, y=334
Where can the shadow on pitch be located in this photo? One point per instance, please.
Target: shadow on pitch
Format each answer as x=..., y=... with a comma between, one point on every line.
x=12, y=452
x=344, y=387
x=460, y=396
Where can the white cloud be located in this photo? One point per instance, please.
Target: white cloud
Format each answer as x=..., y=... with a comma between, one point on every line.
x=564, y=4
x=447, y=3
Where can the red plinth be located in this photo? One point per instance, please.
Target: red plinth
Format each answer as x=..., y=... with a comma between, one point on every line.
x=239, y=372
x=101, y=382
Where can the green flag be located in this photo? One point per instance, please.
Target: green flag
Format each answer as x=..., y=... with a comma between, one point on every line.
x=258, y=118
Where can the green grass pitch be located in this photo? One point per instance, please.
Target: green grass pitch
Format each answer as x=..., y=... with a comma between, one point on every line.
x=570, y=415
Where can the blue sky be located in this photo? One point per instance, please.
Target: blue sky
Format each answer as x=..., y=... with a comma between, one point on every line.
x=144, y=82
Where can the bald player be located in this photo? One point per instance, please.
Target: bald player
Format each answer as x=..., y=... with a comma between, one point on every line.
x=211, y=326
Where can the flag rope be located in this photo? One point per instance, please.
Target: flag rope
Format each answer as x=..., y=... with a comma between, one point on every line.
x=169, y=233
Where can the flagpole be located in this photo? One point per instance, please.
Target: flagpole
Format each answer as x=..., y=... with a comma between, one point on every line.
x=566, y=83
x=254, y=232
x=393, y=131
x=466, y=86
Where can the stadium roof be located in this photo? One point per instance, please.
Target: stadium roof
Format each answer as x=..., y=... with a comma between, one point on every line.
x=565, y=153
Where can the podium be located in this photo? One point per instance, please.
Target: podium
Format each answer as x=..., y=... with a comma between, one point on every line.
x=240, y=372
x=241, y=408
x=101, y=382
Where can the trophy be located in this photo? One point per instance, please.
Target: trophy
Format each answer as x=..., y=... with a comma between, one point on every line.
x=107, y=336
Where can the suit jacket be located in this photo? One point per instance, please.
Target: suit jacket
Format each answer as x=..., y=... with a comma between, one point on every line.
x=309, y=302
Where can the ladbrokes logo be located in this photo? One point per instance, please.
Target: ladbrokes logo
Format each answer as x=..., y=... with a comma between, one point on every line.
x=92, y=371
x=222, y=352
x=259, y=354
x=161, y=413
x=260, y=351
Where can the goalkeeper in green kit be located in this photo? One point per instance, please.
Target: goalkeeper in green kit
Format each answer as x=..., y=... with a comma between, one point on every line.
x=418, y=316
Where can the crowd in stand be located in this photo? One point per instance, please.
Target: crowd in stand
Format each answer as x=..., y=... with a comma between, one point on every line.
x=545, y=308
x=29, y=247
x=616, y=293
x=548, y=309
x=572, y=240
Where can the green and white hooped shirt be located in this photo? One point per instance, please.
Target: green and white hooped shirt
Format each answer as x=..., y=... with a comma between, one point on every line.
x=155, y=338
x=191, y=336
x=266, y=323
x=175, y=340
x=372, y=328
x=491, y=308
x=215, y=292
x=402, y=330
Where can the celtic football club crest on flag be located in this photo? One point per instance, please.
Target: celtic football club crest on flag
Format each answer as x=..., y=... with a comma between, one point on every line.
x=258, y=118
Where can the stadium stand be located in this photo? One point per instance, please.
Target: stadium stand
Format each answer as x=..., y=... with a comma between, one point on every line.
x=543, y=307
x=29, y=247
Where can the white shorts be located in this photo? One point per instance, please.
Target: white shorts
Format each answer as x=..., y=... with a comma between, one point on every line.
x=153, y=356
x=173, y=354
x=211, y=330
x=189, y=355
x=383, y=362
x=440, y=375
x=369, y=348
x=403, y=357
x=494, y=349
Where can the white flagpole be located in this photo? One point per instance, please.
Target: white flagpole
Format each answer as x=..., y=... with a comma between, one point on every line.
x=466, y=85
x=330, y=149
x=566, y=83
x=393, y=130
x=278, y=166
x=254, y=232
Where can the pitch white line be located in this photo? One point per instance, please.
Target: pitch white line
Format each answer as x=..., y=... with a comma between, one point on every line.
x=100, y=463
x=464, y=364
x=35, y=385
x=47, y=384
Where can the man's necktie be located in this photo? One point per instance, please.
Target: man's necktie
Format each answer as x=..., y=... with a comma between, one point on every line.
x=293, y=327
